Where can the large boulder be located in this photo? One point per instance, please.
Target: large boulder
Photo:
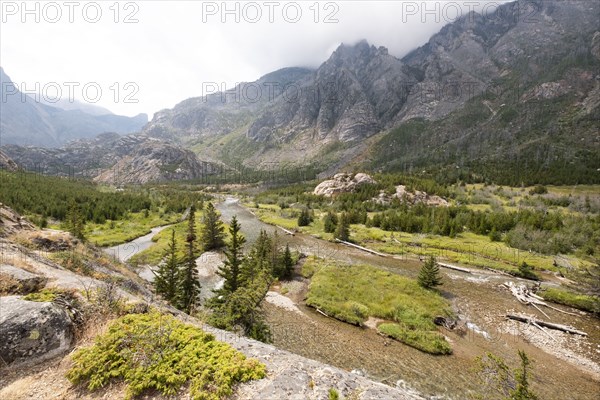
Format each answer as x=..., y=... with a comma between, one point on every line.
x=31, y=331
x=15, y=280
x=342, y=183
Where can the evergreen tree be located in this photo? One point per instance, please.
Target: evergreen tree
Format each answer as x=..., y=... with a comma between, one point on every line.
x=429, y=275
x=304, y=218
x=342, y=232
x=230, y=271
x=212, y=236
x=166, y=278
x=287, y=263
x=74, y=221
x=241, y=307
x=522, y=391
x=330, y=222
x=258, y=259
x=189, y=286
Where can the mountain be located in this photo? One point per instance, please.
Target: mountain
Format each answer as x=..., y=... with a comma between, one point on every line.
x=114, y=159
x=27, y=122
x=504, y=97
x=73, y=104
x=512, y=96
x=7, y=163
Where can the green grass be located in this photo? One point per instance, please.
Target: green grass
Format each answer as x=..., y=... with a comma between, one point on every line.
x=271, y=214
x=352, y=293
x=112, y=233
x=467, y=248
x=156, y=352
x=572, y=299
x=429, y=342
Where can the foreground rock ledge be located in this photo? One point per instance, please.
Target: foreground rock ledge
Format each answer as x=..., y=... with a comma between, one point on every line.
x=31, y=332
x=291, y=377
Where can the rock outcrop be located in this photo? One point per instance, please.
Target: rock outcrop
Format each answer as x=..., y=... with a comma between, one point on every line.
x=411, y=197
x=7, y=163
x=14, y=280
x=11, y=222
x=342, y=183
x=32, y=331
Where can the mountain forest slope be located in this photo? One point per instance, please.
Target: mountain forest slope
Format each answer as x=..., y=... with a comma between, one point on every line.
x=513, y=96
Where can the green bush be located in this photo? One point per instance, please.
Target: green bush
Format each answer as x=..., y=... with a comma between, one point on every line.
x=44, y=295
x=156, y=351
x=526, y=271
x=333, y=394
x=427, y=341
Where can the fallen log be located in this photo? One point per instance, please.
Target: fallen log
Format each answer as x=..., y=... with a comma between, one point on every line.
x=361, y=248
x=454, y=267
x=286, y=231
x=532, y=321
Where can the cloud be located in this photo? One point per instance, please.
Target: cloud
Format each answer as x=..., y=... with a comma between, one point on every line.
x=161, y=52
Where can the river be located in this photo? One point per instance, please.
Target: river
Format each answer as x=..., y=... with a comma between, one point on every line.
x=477, y=298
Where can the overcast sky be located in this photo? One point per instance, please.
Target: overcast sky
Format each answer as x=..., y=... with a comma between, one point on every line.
x=143, y=56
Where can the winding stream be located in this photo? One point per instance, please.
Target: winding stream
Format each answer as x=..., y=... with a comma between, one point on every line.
x=123, y=252
x=476, y=298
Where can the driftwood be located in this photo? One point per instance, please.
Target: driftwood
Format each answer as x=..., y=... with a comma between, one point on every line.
x=361, y=248
x=321, y=312
x=540, y=323
x=286, y=231
x=454, y=267
x=526, y=296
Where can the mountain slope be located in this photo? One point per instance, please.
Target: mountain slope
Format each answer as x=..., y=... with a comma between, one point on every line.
x=532, y=113
x=512, y=95
x=27, y=122
x=114, y=159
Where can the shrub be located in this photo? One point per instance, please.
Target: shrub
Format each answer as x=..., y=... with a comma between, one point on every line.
x=333, y=394
x=526, y=271
x=44, y=295
x=539, y=189
x=304, y=219
x=156, y=351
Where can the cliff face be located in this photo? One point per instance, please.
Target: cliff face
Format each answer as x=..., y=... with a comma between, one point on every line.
x=484, y=86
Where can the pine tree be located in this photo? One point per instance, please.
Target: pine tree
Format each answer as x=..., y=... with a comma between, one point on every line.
x=342, y=232
x=429, y=275
x=230, y=271
x=212, y=236
x=258, y=259
x=330, y=222
x=287, y=263
x=74, y=221
x=522, y=391
x=166, y=278
x=304, y=217
x=189, y=286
